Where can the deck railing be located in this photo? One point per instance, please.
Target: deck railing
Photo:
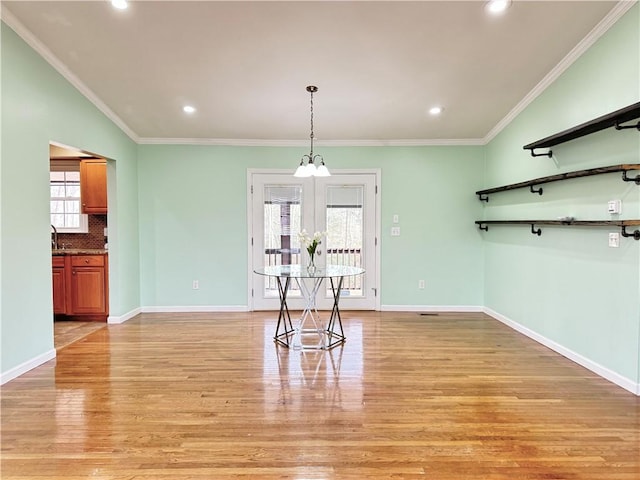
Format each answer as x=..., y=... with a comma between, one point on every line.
x=337, y=256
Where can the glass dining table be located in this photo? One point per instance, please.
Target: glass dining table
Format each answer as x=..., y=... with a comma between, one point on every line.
x=310, y=325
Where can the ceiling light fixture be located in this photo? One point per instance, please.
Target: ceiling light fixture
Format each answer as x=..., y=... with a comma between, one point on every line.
x=496, y=7
x=436, y=110
x=119, y=4
x=188, y=109
x=310, y=169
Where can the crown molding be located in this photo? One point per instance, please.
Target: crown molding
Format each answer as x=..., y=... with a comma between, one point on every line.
x=23, y=32
x=600, y=29
x=241, y=142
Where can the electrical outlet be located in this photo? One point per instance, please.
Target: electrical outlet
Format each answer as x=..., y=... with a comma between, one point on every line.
x=395, y=231
x=614, y=207
x=421, y=284
x=196, y=285
x=614, y=239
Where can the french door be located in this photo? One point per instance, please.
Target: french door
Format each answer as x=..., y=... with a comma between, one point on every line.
x=343, y=205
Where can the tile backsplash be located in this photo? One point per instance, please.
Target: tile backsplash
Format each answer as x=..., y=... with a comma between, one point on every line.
x=94, y=239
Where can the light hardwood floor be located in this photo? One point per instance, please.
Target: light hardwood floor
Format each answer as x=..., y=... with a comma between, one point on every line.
x=66, y=332
x=209, y=396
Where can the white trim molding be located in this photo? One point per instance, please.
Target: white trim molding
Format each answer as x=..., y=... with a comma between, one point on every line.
x=432, y=308
x=594, y=367
x=26, y=366
x=196, y=309
x=114, y=320
x=244, y=142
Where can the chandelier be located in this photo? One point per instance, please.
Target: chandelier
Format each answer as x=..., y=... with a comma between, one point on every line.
x=310, y=169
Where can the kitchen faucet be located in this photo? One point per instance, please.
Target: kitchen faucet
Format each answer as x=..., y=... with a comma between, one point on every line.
x=54, y=238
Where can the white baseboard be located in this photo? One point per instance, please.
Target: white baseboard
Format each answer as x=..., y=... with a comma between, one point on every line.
x=26, y=366
x=196, y=308
x=596, y=368
x=431, y=308
x=112, y=320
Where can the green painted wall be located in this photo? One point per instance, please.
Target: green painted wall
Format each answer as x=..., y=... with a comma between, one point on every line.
x=568, y=285
x=179, y=212
x=39, y=106
x=193, y=221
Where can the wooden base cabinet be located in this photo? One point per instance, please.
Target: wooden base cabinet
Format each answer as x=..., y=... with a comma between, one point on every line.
x=59, y=290
x=84, y=291
x=87, y=285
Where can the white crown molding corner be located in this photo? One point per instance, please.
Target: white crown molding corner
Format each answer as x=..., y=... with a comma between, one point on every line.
x=594, y=367
x=115, y=320
x=9, y=19
x=600, y=29
x=26, y=366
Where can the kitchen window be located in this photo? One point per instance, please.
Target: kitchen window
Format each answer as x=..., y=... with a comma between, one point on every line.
x=65, y=210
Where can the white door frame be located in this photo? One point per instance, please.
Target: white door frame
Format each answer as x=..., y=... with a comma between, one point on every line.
x=371, y=171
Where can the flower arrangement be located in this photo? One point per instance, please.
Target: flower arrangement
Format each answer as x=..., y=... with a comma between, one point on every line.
x=311, y=243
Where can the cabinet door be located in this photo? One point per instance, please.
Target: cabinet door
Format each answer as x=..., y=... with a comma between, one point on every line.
x=59, y=293
x=88, y=291
x=93, y=186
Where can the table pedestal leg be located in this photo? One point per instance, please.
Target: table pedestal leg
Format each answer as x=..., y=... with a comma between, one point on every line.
x=283, y=317
x=310, y=312
x=333, y=337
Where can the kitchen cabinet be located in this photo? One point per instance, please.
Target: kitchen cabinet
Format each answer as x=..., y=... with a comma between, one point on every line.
x=80, y=285
x=93, y=186
x=87, y=285
x=59, y=291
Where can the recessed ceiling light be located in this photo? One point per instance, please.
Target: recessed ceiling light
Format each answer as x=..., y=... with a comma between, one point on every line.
x=188, y=109
x=436, y=110
x=496, y=7
x=119, y=4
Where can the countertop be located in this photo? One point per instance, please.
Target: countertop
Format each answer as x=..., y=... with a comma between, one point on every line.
x=79, y=251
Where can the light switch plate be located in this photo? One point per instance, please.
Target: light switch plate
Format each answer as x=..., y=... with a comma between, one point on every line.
x=396, y=218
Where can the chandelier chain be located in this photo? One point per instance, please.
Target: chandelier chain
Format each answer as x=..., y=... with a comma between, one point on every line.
x=311, y=136
x=310, y=169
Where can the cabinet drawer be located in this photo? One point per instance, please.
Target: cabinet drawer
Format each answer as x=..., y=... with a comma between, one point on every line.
x=87, y=261
x=57, y=261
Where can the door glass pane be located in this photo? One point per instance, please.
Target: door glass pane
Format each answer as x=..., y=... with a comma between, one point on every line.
x=345, y=229
x=282, y=211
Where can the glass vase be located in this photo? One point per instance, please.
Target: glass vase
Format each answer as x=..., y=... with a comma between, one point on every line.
x=311, y=266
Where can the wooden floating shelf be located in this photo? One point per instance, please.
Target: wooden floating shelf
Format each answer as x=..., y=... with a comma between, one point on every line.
x=623, y=224
x=613, y=119
x=483, y=194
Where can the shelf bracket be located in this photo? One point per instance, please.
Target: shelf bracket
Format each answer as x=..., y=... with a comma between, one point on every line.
x=626, y=178
x=547, y=154
x=624, y=127
x=483, y=197
x=532, y=190
x=483, y=226
x=537, y=232
x=635, y=235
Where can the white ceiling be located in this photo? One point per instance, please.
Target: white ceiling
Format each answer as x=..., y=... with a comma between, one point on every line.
x=379, y=66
